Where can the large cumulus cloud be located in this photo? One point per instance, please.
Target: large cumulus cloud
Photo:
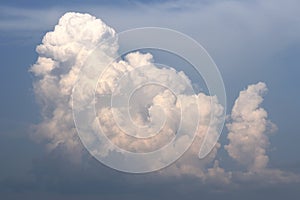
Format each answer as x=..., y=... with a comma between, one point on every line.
x=63, y=53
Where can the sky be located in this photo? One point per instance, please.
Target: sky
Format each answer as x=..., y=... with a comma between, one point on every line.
x=255, y=45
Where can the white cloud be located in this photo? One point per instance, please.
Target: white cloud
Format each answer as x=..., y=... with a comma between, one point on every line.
x=62, y=54
x=248, y=137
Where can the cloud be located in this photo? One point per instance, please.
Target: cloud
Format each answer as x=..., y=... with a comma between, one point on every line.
x=261, y=22
x=249, y=130
x=248, y=139
x=62, y=55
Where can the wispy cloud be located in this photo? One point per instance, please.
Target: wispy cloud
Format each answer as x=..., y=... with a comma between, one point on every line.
x=231, y=30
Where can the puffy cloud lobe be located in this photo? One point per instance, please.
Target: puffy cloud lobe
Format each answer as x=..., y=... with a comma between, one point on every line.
x=162, y=104
x=61, y=55
x=248, y=139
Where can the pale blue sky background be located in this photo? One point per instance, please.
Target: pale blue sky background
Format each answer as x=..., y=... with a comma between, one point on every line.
x=250, y=41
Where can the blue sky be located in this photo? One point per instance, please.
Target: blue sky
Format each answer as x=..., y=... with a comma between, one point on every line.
x=250, y=41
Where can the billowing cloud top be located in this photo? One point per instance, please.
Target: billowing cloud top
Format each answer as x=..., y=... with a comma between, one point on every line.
x=61, y=55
